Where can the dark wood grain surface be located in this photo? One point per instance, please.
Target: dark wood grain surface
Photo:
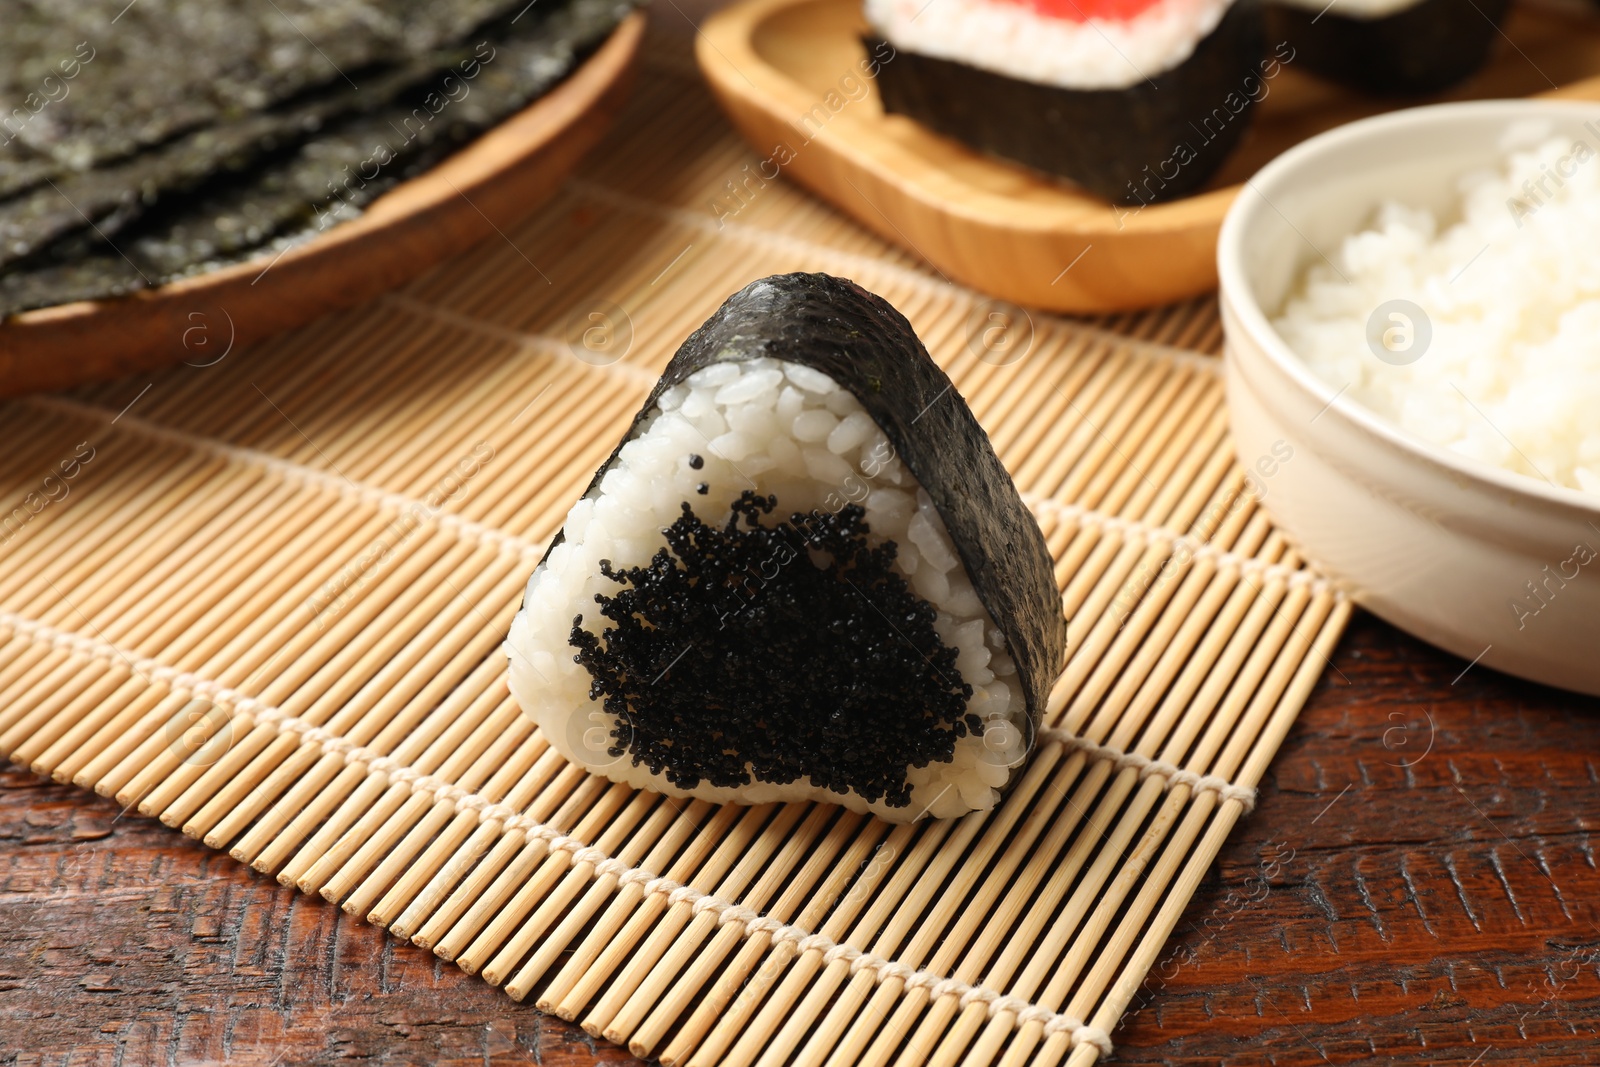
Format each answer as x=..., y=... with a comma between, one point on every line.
x=1417, y=886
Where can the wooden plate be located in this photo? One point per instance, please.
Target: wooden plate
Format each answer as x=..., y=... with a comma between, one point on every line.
x=789, y=75
x=493, y=182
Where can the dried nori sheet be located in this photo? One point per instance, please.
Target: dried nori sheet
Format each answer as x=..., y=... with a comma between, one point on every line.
x=410, y=135
x=860, y=341
x=108, y=198
x=1421, y=49
x=289, y=194
x=24, y=169
x=1149, y=142
x=159, y=67
x=90, y=276
x=111, y=197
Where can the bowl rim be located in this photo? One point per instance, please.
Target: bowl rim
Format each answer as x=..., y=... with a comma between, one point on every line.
x=1238, y=297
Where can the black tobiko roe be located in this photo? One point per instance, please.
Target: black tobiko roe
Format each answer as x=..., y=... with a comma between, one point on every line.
x=774, y=653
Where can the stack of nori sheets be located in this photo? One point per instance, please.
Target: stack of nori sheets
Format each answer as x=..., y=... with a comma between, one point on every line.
x=146, y=142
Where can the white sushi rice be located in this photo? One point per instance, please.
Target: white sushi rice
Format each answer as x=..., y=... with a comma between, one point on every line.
x=1008, y=37
x=1511, y=289
x=810, y=443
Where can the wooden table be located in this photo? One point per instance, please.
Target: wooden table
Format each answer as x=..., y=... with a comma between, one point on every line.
x=1425, y=891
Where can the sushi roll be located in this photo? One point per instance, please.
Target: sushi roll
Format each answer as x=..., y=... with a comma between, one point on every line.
x=803, y=575
x=1390, y=47
x=1137, y=101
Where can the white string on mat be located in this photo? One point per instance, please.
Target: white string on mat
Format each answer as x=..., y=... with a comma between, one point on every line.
x=1178, y=542
x=1171, y=773
x=804, y=941
x=156, y=672
x=299, y=473
x=853, y=265
x=541, y=343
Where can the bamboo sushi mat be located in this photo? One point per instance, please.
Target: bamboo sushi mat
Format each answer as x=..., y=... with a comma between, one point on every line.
x=264, y=601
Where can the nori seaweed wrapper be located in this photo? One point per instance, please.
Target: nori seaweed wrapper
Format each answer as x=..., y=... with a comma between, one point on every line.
x=335, y=174
x=148, y=71
x=312, y=167
x=24, y=169
x=1425, y=48
x=89, y=276
x=110, y=197
x=1158, y=139
x=860, y=341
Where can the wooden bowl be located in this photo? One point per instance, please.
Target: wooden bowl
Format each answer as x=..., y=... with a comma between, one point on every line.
x=779, y=69
x=490, y=184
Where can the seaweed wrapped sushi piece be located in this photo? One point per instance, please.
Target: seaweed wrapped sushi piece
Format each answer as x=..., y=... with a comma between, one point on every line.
x=1390, y=47
x=1137, y=101
x=803, y=575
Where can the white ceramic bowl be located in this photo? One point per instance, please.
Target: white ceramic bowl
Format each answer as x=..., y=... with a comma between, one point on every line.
x=1441, y=545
